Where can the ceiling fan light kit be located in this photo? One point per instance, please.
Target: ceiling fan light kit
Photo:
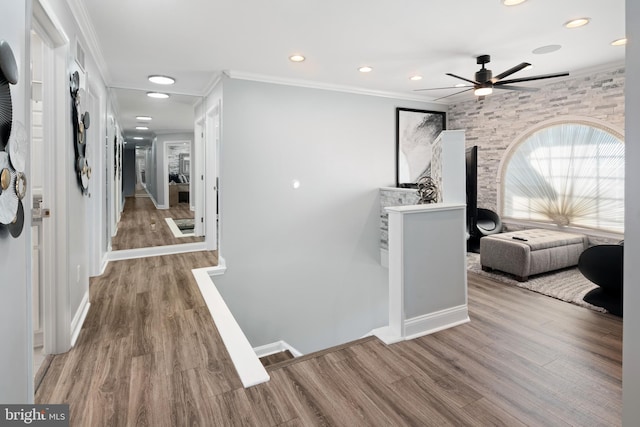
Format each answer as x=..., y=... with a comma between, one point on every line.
x=512, y=2
x=484, y=82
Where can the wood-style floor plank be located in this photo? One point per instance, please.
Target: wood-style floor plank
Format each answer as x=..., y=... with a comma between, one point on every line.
x=142, y=225
x=149, y=354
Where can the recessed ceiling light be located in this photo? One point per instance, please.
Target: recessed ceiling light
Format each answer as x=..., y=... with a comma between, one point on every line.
x=158, y=95
x=512, y=2
x=365, y=69
x=138, y=138
x=162, y=80
x=619, y=42
x=296, y=58
x=415, y=78
x=575, y=23
x=459, y=85
x=142, y=127
x=546, y=49
x=144, y=118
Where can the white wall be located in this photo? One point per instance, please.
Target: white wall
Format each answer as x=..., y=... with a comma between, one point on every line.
x=631, y=338
x=15, y=289
x=304, y=265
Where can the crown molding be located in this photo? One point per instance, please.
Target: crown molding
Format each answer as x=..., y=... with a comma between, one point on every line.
x=240, y=75
x=81, y=16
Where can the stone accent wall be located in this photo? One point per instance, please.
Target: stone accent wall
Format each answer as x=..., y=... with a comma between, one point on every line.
x=494, y=123
x=393, y=197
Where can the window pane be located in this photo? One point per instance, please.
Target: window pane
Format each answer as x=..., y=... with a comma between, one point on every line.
x=571, y=174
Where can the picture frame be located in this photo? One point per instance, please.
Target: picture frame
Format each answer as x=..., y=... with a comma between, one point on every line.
x=415, y=132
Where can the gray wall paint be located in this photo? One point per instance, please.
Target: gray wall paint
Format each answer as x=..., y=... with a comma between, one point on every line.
x=631, y=337
x=303, y=265
x=496, y=122
x=15, y=288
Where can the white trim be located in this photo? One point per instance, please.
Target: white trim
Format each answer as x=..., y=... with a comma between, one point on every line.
x=79, y=317
x=155, y=251
x=239, y=75
x=81, y=16
x=219, y=269
x=49, y=24
x=417, y=327
x=387, y=335
x=434, y=207
x=247, y=364
x=276, y=347
x=153, y=199
x=433, y=322
x=177, y=233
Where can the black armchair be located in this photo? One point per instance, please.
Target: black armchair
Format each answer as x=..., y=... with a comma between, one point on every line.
x=488, y=222
x=603, y=265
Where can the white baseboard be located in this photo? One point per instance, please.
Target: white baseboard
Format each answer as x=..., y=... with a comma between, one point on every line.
x=275, y=347
x=78, y=319
x=424, y=325
x=434, y=322
x=156, y=251
x=219, y=269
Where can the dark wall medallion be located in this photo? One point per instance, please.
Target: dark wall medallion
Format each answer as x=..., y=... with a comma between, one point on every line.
x=14, y=150
x=80, y=122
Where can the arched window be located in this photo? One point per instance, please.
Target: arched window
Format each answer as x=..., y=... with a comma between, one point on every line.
x=569, y=174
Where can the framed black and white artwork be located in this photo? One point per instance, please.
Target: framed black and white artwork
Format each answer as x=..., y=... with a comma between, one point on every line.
x=415, y=132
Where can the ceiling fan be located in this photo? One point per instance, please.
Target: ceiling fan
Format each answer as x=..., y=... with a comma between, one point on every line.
x=484, y=82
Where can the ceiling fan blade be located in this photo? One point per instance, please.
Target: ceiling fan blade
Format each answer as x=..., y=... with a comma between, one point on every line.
x=462, y=91
x=520, y=88
x=440, y=88
x=528, y=79
x=462, y=78
x=510, y=71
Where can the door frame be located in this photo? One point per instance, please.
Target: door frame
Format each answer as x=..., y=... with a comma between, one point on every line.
x=56, y=312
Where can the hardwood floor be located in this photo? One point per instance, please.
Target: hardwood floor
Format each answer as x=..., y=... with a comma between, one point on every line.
x=136, y=228
x=149, y=354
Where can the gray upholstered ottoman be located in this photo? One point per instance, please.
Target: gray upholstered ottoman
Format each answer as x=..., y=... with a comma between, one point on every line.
x=528, y=252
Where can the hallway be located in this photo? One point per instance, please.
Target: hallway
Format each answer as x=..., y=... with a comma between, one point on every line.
x=142, y=225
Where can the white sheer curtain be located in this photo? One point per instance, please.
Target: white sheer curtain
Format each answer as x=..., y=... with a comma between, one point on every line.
x=569, y=174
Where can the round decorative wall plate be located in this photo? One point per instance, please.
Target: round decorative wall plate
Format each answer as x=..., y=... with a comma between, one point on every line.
x=16, y=226
x=6, y=111
x=8, y=65
x=8, y=198
x=18, y=147
x=13, y=148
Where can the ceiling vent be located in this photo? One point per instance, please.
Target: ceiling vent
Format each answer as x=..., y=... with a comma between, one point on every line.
x=80, y=55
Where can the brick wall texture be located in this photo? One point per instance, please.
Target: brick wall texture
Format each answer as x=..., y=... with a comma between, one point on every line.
x=495, y=122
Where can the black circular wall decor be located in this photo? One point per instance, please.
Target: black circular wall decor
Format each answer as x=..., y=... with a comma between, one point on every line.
x=80, y=124
x=13, y=148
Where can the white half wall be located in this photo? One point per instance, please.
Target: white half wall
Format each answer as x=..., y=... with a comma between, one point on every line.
x=303, y=263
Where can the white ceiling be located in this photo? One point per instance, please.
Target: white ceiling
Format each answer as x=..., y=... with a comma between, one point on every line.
x=195, y=40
